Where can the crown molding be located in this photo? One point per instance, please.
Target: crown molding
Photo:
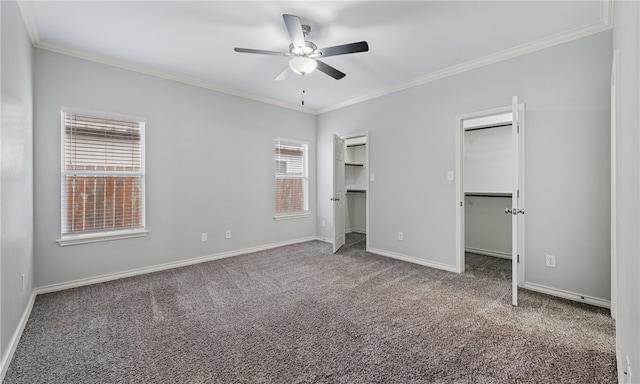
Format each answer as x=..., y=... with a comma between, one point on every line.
x=497, y=57
x=605, y=23
x=28, y=12
x=606, y=12
x=81, y=54
x=30, y=20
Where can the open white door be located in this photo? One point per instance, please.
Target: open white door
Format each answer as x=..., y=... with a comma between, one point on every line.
x=516, y=209
x=338, y=193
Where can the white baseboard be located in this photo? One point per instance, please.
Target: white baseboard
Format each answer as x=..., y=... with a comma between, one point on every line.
x=414, y=260
x=567, y=295
x=15, y=339
x=325, y=239
x=161, y=267
x=355, y=230
x=486, y=252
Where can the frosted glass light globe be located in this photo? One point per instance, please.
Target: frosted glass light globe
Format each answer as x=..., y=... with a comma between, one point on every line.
x=303, y=65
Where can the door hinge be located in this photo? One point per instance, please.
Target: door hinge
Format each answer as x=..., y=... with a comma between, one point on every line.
x=518, y=259
x=461, y=203
x=518, y=128
x=518, y=193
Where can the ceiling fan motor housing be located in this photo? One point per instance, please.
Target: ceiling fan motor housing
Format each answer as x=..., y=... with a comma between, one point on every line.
x=307, y=50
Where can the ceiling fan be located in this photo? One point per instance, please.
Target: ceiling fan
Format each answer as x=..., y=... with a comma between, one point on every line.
x=305, y=54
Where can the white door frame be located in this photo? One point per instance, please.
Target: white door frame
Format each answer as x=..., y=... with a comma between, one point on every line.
x=614, y=181
x=364, y=134
x=460, y=243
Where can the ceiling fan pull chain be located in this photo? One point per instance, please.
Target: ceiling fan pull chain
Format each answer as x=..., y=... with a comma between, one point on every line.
x=303, y=92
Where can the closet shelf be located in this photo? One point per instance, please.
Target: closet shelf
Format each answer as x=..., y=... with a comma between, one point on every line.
x=356, y=145
x=356, y=190
x=355, y=164
x=488, y=194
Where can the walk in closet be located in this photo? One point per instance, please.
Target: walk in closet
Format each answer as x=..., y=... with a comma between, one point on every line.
x=355, y=162
x=487, y=185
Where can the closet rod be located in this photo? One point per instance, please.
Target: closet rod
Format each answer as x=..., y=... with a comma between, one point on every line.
x=487, y=127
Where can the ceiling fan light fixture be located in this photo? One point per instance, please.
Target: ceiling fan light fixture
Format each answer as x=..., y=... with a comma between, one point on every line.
x=303, y=65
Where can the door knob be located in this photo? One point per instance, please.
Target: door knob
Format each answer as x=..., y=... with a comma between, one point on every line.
x=334, y=199
x=508, y=211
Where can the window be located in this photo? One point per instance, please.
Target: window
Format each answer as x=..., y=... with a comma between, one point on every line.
x=102, y=178
x=291, y=179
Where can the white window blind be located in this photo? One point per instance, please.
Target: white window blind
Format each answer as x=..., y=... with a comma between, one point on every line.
x=291, y=177
x=102, y=174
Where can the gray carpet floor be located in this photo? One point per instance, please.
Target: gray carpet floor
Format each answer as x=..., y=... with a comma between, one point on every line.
x=300, y=314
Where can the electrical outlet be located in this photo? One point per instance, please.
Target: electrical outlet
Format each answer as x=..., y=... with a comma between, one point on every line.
x=227, y=235
x=203, y=237
x=400, y=236
x=550, y=261
x=324, y=223
x=372, y=177
x=450, y=175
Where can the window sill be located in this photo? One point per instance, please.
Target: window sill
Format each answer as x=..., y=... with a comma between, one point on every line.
x=289, y=216
x=102, y=236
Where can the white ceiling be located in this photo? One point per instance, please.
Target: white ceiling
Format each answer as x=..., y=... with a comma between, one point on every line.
x=409, y=42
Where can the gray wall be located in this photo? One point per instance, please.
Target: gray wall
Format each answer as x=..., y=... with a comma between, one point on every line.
x=209, y=167
x=412, y=146
x=486, y=227
x=488, y=160
x=626, y=38
x=16, y=173
x=356, y=212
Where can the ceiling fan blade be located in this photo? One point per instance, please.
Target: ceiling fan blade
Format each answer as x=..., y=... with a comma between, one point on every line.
x=329, y=70
x=294, y=26
x=284, y=74
x=344, y=49
x=259, y=51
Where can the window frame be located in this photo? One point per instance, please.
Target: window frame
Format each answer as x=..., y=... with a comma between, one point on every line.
x=100, y=235
x=305, y=180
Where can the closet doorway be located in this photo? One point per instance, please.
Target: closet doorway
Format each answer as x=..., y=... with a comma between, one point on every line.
x=350, y=187
x=490, y=187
